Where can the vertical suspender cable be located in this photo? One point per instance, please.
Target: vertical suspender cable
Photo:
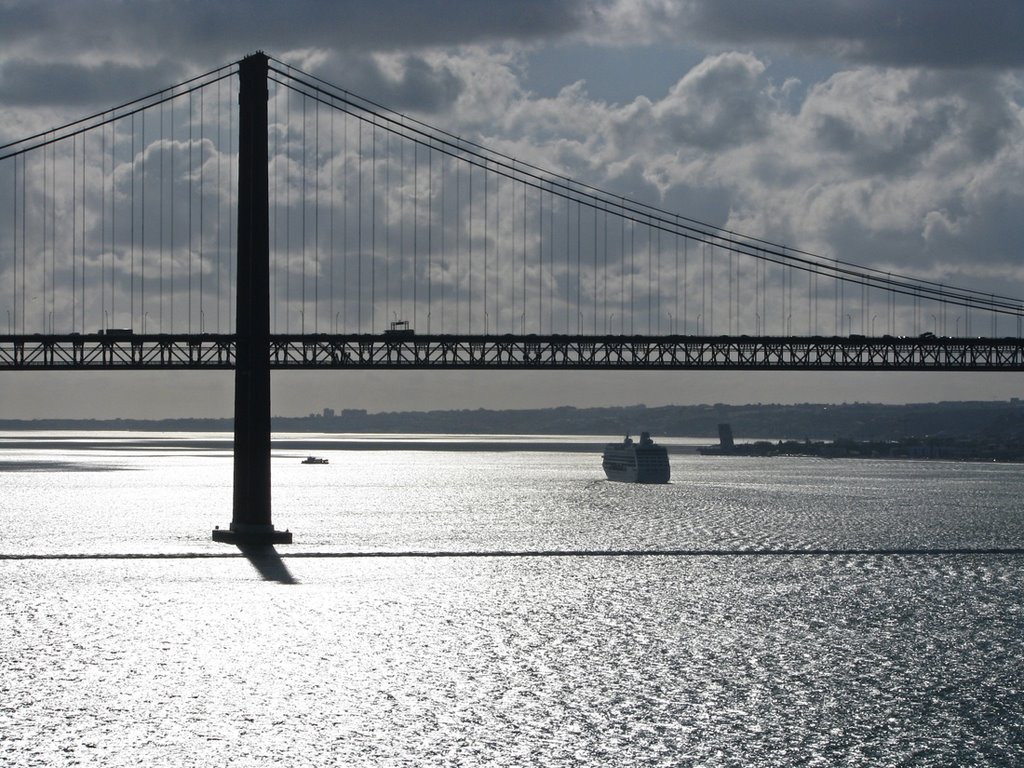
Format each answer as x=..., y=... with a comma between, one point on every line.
x=232, y=220
x=387, y=227
x=444, y=241
x=191, y=123
x=594, y=306
x=498, y=251
x=302, y=204
x=344, y=218
x=540, y=260
x=551, y=262
x=523, y=325
x=359, y=232
x=131, y=233
x=757, y=293
x=330, y=250
x=220, y=197
x=430, y=234
x=373, y=226
x=401, y=232
x=686, y=283
x=286, y=256
x=568, y=269
x=12, y=322
x=163, y=184
x=170, y=149
x=650, y=278
x=276, y=217
x=12, y=318
x=486, y=241
x=711, y=287
x=142, y=228
x=730, y=291
x=604, y=273
x=810, y=318
x=622, y=271
x=74, y=235
x=512, y=276
x=202, y=205
x=837, y=310
x=632, y=276
x=24, y=235
x=579, y=277
x=83, y=235
x=658, y=282
x=316, y=218
x=703, y=286
x=53, y=237
x=675, y=305
x=458, y=245
x=42, y=304
x=113, y=218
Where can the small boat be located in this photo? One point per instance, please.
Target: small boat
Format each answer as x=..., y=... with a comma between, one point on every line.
x=630, y=462
x=315, y=460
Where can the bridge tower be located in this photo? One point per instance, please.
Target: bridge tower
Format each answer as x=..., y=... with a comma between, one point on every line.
x=250, y=517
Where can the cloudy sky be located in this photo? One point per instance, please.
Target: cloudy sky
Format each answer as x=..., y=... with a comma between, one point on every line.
x=884, y=132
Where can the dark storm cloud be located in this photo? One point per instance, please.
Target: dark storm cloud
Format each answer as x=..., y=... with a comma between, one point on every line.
x=30, y=83
x=52, y=51
x=932, y=33
x=18, y=20
x=219, y=31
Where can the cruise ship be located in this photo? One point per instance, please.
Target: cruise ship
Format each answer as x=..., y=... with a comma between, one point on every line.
x=630, y=462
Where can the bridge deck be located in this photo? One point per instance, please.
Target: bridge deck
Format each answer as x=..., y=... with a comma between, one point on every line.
x=383, y=351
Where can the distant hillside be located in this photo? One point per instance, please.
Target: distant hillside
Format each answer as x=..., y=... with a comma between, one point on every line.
x=856, y=421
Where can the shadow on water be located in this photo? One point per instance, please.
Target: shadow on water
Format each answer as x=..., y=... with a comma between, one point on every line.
x=56, y=466
x=267, y=562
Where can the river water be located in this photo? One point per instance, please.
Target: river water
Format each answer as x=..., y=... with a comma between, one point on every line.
x=758, y=611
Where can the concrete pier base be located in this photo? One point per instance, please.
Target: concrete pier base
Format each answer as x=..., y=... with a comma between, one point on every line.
x=240, y=533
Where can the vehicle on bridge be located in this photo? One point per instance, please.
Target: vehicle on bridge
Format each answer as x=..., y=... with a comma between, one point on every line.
x=399, y=330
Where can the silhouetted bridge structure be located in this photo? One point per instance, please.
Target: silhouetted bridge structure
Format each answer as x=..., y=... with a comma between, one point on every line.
x=558, y=352
x=356, y=237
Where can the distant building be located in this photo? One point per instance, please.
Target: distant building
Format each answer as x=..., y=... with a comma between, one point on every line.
x=328, y=413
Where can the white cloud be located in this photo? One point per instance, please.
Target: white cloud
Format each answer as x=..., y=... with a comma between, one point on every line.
x=866, y=167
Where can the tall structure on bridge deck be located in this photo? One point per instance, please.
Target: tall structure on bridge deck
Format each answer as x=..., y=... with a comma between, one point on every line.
x=250, y=518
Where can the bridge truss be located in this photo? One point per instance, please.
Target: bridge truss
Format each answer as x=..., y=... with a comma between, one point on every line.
x=480, y=352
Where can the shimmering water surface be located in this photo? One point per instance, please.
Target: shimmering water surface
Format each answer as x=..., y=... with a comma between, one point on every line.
x=127, y=637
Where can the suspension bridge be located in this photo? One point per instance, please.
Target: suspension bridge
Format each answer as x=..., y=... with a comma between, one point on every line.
x=257, y=217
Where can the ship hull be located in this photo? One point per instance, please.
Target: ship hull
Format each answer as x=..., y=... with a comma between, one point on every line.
x=637, y=465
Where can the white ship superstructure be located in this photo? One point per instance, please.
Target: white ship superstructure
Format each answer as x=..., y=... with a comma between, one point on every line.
x=631, y=462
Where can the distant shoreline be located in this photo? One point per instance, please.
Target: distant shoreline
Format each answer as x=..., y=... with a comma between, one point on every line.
x=319, y=445
x=290, y=445
x=999, y=420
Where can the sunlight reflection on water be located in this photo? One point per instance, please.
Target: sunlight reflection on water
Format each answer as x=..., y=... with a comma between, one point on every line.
x=766, y=660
